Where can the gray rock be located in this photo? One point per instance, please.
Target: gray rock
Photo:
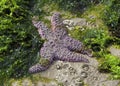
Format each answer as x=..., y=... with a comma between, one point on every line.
x=69, y=23
x=110, y=83
x=73, y=74
x=46, y=84
x=79, y=21
x=115, y=51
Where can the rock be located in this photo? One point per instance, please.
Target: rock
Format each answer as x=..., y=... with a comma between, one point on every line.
x=23, y=82
x=71, y=74
x=69, y=23
x=110, y=83
x=15, y=84
x=114, y=51
x=79, y=21
x=27, y=82
x=70, y=28
x=46, y=84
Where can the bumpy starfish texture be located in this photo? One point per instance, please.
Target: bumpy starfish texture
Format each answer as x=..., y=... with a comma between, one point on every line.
x=59, y=45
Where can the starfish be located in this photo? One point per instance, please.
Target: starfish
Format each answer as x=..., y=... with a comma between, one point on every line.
x=58, y=45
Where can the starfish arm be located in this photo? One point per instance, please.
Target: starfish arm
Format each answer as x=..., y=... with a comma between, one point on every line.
x=46, y=60
x=66, y=55
x=56, y=21
x=72, y=44
x=43, y=30
x=37, y=68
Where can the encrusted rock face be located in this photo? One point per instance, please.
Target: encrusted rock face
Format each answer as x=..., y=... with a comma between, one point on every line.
x=59, y=45
x=69, y=74
x=78, y=74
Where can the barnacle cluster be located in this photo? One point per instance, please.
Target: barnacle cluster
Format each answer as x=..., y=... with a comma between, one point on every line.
x=58, y=45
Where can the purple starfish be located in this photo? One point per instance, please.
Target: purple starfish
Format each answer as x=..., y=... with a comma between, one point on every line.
x=59, y=45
